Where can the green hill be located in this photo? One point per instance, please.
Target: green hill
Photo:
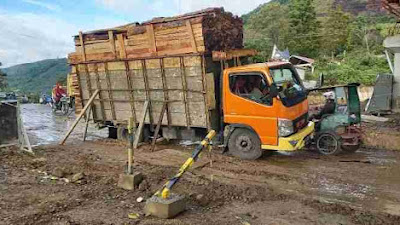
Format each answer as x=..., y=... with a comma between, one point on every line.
x=344, y=36
x=347, y=42
x=37, y=77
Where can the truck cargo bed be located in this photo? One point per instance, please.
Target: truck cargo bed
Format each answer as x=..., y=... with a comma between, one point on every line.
x=181, y=82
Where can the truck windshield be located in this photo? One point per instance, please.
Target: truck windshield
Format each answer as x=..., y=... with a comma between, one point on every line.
x=291, y=90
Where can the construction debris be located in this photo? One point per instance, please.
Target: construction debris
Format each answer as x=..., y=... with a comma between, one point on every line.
x=373, y=119
x=165, y=208
x=77, y=177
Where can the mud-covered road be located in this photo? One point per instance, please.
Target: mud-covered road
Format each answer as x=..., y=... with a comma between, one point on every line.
x=301, y=188
x=43, y=127
x=298, y=188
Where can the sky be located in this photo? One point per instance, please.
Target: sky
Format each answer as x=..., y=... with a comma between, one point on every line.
x=32, y=30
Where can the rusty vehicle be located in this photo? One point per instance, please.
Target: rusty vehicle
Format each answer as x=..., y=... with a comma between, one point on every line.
x=340, y=130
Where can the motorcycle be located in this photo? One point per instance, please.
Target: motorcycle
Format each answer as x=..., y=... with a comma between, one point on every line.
x=61, y=106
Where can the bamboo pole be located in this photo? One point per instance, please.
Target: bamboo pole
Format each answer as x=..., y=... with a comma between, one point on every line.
x=160, y=118
x=141, y=124
x=62, y=142
x=131, y=124
x=86, y=125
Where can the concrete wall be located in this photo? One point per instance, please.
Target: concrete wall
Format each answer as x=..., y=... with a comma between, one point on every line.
x=393, y=45
x=8, y=124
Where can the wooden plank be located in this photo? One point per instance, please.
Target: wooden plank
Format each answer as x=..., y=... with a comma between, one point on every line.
x=88, y=82
x=146, y=86
x=83, y=46
x=184, y=86
x=86, y=125
x=110, y=94
x=77, y=105
x=141, y=124
x=103, y=113
x=160, y=118
x=210, y=91
x=130, y=87
x=88, y=42
x=190, y=32
x=79, y=117
x=230, y=54
x=203, y=74
x=112, y=42
x=152, y=40
x=165, y=91
x=122, y=52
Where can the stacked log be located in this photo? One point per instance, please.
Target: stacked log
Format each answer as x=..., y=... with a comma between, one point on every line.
x=204, y=31
x=76, y=91
x=196, y=33
x=223, y=32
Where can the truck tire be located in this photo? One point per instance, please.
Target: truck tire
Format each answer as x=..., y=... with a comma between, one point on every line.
x=245, y=144
x=329, y=143
x=112, y=133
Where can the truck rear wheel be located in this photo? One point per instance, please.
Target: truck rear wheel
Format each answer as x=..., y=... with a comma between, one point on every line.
x=112, y=132
x=245, y=144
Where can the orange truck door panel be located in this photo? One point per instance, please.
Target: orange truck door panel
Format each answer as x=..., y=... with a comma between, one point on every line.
x=261, y=117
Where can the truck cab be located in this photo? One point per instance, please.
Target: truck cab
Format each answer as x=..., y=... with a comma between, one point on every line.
x=265, y=107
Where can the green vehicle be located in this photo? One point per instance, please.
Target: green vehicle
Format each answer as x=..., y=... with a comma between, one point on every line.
x=339, y=130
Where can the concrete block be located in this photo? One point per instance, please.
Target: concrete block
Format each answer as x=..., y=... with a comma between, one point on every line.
x=130, y=181
x=8, y=123
x=165, y=208
x=169, y=133
x=187, y=134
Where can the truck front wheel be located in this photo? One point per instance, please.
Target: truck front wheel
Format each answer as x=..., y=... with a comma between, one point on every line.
x=245, y=144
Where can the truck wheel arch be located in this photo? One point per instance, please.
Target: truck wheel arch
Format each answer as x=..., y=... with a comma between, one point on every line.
x=234, y=126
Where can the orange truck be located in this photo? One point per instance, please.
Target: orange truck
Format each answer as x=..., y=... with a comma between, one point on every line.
x=252, y=107
x=176, y=64
x=272, y=117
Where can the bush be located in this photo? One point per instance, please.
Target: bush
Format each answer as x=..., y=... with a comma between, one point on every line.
x=356, y=67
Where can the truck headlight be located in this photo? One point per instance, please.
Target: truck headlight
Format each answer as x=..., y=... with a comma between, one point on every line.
x=285, y=127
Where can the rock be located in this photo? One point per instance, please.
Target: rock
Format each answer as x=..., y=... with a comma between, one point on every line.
x=58, y=172
x=144, y=185
x=77, y=177
x=41, y=159
x=133, y=215
x=202, y=200
x=140, y=199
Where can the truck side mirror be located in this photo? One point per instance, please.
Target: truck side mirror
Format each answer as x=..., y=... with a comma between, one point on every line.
x=273, y=91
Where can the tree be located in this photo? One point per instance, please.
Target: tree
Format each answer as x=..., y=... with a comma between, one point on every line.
x=303, y=28
x=267, y=28
x=365, y=34
x=334, y=32
x=3, y=81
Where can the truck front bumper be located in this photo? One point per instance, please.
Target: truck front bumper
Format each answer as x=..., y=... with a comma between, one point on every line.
x=294, y=142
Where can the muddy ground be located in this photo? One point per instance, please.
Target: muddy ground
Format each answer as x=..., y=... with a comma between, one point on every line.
x=301, y=188
x=298, y=188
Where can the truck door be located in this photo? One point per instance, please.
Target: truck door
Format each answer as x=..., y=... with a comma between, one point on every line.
x=246, y=102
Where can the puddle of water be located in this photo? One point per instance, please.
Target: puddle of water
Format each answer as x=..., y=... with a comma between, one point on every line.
x=379, y=157
x=43, y=127
x=353, y=190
